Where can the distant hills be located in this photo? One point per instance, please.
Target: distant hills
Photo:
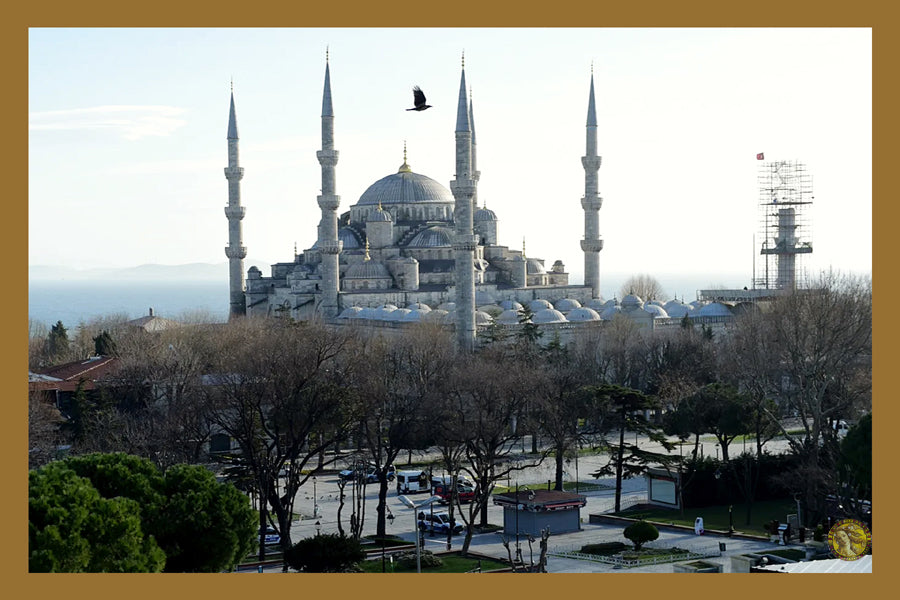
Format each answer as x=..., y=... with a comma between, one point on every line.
x=148, y=272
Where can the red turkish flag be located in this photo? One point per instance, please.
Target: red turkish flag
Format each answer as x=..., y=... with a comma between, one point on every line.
x=760, y=156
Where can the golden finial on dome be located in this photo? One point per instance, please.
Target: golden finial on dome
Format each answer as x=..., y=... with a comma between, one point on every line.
x=367, y=250
x=404, y=168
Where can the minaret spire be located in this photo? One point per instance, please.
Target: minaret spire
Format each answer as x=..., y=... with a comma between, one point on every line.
x=592, y=243
x=464, y=242
x=328, y=243
x=235, y=251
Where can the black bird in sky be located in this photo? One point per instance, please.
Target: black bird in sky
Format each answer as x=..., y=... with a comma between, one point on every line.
x=419, y=100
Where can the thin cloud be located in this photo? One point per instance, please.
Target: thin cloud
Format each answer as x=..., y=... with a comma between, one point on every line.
x=129, y=122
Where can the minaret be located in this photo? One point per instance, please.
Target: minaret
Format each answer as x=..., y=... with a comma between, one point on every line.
x=235, y=251
x=592, y=244
x=464, y=241
x=328, y=243
x=476, y=174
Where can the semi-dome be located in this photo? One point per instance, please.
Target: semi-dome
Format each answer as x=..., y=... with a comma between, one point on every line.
x=379, y=216
x=484, y=214
x=405, y=187
x=367, y=269
x=583, y=314
x=432, y=237
x=548, y=315
x=398, y=315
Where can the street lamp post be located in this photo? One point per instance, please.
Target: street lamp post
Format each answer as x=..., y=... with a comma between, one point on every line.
x=730, y=520
x=390, y=518
x=415, y=506
x=318, y=528
x=315, y=500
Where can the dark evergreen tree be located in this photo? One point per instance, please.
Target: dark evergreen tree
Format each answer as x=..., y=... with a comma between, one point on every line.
x=104, y=345
x=329, y=553
x=57, y=342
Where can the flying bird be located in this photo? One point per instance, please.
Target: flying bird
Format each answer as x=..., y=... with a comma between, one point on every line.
x=419, y=100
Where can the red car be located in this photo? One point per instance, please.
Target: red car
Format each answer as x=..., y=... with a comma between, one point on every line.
x=466, y=493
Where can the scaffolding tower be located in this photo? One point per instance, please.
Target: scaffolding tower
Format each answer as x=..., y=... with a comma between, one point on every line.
x=785, y=190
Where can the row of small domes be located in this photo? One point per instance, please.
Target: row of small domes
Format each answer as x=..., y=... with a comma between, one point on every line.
x=566, y=310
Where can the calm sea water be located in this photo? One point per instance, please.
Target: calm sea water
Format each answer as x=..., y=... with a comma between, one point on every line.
x=74, y=301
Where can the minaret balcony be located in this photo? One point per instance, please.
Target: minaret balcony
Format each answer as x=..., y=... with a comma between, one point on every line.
x=234, y=173
x=464, y=188
x=331, y=247
x=235, y=212
x=591, y=162
x=465, y=242
x=236, y=252
x=328, y=201
x=591, y=245
x=592, y=203
x=328, y=158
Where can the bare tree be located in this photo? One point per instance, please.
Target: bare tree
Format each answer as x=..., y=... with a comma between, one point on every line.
x=644, y=286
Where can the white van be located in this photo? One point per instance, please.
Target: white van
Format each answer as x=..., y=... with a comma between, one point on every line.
x=412, y=481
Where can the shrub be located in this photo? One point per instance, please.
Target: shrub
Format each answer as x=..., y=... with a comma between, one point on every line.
x=407, y=560
x=640, y=532
x=325, y=553
x=819, y=534
x=604, y=549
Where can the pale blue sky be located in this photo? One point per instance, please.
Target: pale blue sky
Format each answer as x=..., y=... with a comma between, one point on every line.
x=127, y=137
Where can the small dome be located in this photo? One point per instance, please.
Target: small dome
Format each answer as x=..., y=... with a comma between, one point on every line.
x=351, y=312
x=549, y=315
x=697, y=303
x=419, y=306
x=715, y=309
x=510, y=304
x=438, y=315
x=534, y=266
x=367, y=269
x=482, y=318
x=509, y=317
x=367, y=313
x=432, y=237
x=656, y=302
x=491, y=309
x=383, y=311
x=610, y=311
x=631, y=302
x=598, y=304
x=583, y=314
x=567, y=304
x=397, y=315
x=539, y=304
x=414, y=316
x=656, y=310
x=484, y=214
x=678, y=310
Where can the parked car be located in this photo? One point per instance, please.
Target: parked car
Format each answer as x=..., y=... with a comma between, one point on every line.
x=438, y=522
x=465, y=493
x=272, y=536
x=367, y=472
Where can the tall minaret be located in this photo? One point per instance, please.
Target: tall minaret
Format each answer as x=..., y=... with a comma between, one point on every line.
x=592, y=244
x=476, y=174
x=329, y=245
x=464, y=241
x=235, y=251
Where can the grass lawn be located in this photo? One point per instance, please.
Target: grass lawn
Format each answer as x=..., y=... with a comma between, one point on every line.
x=452, y=563
x=716, y=517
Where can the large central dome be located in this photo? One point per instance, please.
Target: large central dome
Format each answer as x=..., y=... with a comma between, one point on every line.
x=405, y=187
